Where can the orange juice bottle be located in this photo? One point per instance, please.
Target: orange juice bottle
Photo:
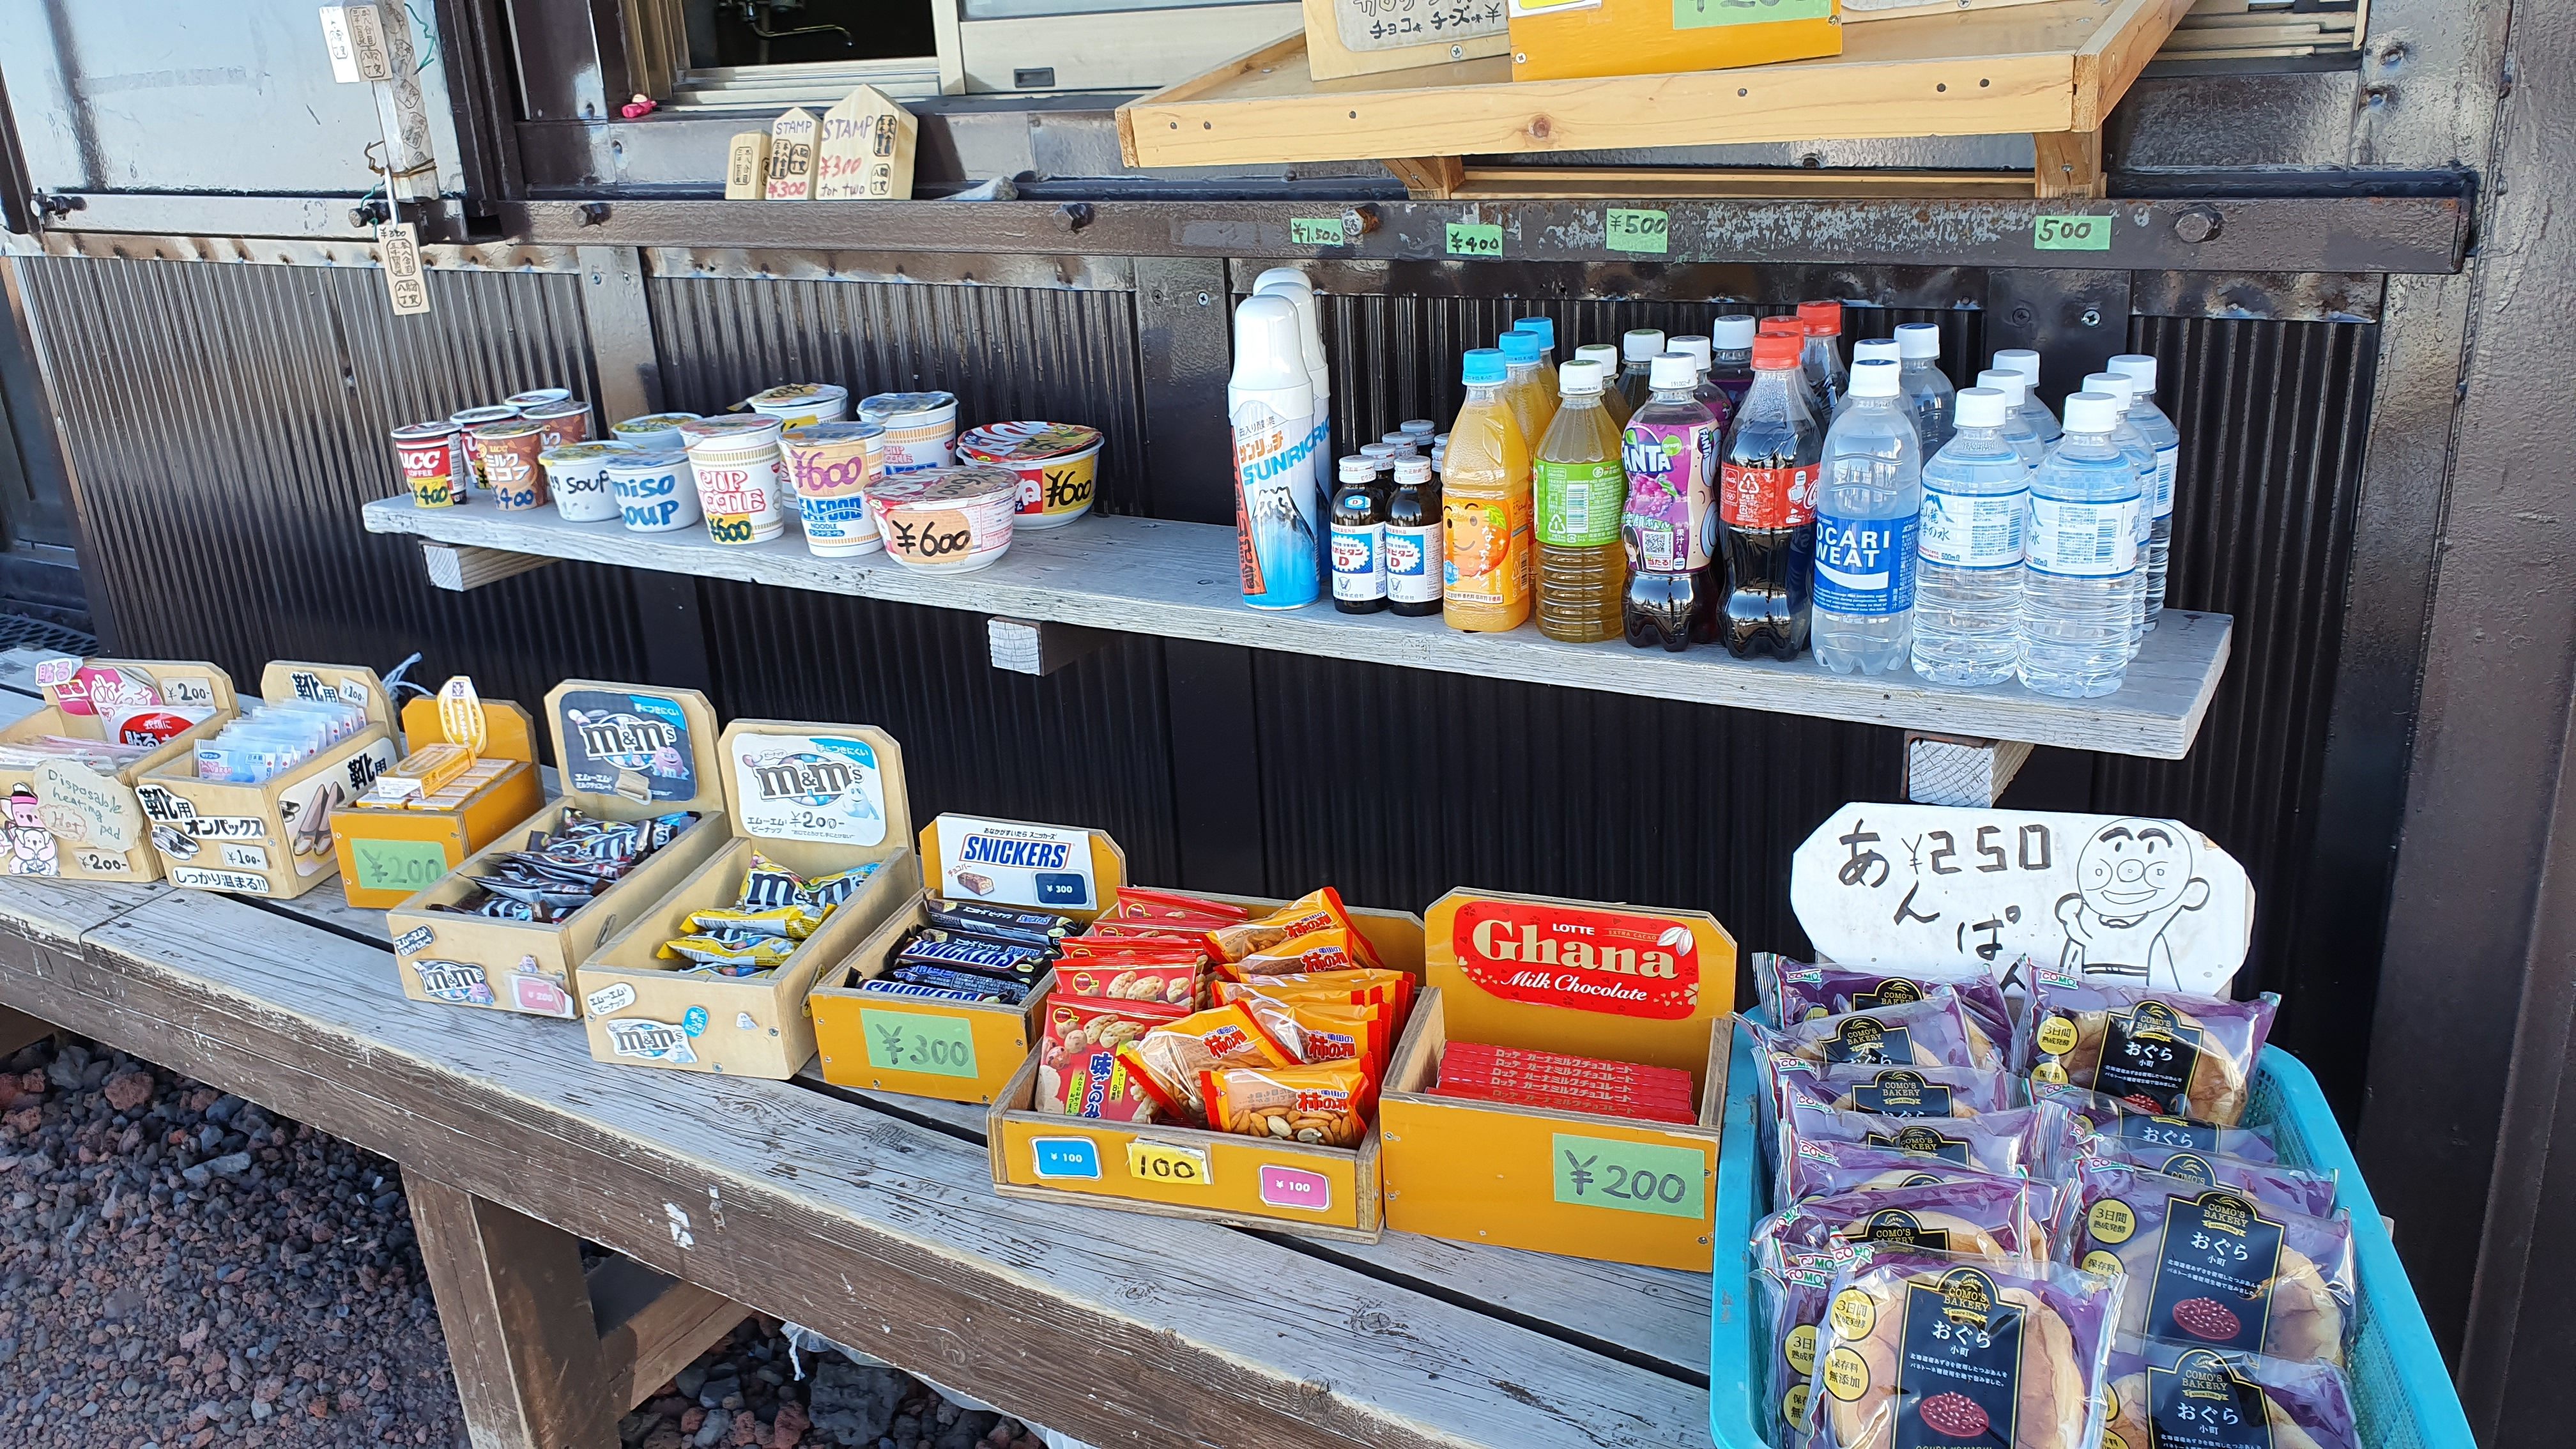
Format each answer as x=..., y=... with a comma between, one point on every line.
x=1527, y=385
x=1485, y=499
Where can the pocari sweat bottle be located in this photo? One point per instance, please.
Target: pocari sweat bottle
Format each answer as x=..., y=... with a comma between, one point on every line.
x=2017, y=427
x=2143, y=457
x=2166, y=439
x=1928, y=390
x=2080, y=581
x=1976, y=515
x=2041, y=420
x=1868, y=507
x=1863, y=351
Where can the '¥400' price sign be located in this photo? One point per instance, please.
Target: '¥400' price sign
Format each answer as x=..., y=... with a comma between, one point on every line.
x=1636, y=1177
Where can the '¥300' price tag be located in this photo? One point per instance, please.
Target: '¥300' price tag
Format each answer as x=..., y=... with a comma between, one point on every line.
x=904, y=1041
x=1636, y=1177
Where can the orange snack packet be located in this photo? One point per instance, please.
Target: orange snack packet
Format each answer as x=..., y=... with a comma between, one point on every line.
x=1170, y=1057
x=1174, y=983
x=1331, y=1033
x=1357, y=988
x=1330, y=949
x=1325, y=1105
x=1135, y=903
x=1317, y=911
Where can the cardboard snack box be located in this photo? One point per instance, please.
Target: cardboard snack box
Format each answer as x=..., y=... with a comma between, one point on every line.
x=815, y=798
x=388, y=854
x=959, y=1051
x=64, y=820
x=272, y=838
x=1224, y=1177
x=627, y=752
x=1621, y=983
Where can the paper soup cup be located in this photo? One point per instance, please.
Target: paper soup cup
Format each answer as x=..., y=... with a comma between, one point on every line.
x=510, y=451
x=946, y=520
x=577, y=475
x=921, y=428
x=662, y=430
x=654, y=490
x=430, y=459
x=739, y=476
x=832, y=466
x=470, y=476
x=803, y=404
x=563, y=422
x=538, y=397
x=1055, y=463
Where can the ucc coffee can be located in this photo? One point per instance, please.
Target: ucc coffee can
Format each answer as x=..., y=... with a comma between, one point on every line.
x=833, y=465
x=429, y=458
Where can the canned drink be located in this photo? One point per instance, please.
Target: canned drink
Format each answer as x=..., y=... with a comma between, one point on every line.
x=538, y=397
x=661, y=430
x=946, y=520
x=430, y=460
x=510, y=451
x=577, y=475
x=470, y=476
x=563, y=422
x=654, y=490
x=833, y=466
x=739, y=476
x=803, y=404
x=921, y=428
x=1055, y=463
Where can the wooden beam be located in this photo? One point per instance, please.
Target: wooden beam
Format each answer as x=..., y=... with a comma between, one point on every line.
x=516, y=1311
x=651, y=1325
x=17, y=1029
x=1949, y=770
x=1429, y=178
x=2069, y=163
x=458, y=567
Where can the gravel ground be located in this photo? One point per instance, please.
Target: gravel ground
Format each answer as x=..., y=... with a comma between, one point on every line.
x=180, y=1269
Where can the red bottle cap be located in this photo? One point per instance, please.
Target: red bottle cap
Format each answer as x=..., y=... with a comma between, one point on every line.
x=1776, y=349
x=1822, y=319
x=1780, y=326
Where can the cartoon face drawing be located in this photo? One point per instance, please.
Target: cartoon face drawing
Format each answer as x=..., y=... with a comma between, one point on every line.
x=2133, y=868
x=30, y=846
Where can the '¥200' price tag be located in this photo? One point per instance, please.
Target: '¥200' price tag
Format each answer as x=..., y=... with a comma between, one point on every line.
x=1636, y=1177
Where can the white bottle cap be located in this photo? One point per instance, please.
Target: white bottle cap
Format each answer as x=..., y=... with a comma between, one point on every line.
x=2011, y=384
x=1918, y=339
x=1269, y=356
x=1981, y=407
x=1875, y=377
x=1358, y=468
x=1378, y=452
x=1420, y=429
x=2091, y=412
x=1876, y=347
x=1695, y=348
x=2021, y=360
x=1672, y=370
x=1641, y=344
x=1602, y=353
x=1579, y=376
x=1733, y=332
x=1412, y=470
x=2138, y=368
x=2110, y=382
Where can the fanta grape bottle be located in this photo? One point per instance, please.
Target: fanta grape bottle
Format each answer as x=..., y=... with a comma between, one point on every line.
x=1670, y=451
x=1485, y=500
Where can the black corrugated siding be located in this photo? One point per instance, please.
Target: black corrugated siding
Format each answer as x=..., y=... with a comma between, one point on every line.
x=227, y=421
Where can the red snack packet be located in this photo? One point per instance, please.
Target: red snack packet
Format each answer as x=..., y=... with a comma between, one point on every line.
x=1135, y=903
x=1172, y=983
x=1078, y=1070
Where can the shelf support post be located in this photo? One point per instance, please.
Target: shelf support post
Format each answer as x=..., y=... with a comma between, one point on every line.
x=2068, y=163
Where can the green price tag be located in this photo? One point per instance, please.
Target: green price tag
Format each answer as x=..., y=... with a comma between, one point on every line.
x=1701, y=14
x=901, y=1041
x=1631, y=1177
x=2070, y=233
x=1472, y=239
x=1628, y=229
x=398, y=865
x=1315, y=231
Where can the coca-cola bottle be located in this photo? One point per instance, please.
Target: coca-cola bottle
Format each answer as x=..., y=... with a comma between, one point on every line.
x=1766, y=506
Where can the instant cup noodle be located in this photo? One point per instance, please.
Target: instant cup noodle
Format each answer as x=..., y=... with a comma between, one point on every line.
x=538, y=397
x=832, y=466
x=946, y=520
x=662, y=430
x=510, y=451
x=802, y=404
x=740, y=478
x=431, y=463
x=563, y=422
x=921, y=428
x=654, y=489
x=1055, y=463
x=577, y=475
x=471, y=476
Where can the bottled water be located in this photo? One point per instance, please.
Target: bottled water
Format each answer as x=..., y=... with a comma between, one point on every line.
x=2081, y=580
x=1868, y=509
x=2143, y=457
x=1927, y=387
x=2166, y=439
x=1976, y=513
x=2017, y=429
x=1863, y=351
x=2033, y=411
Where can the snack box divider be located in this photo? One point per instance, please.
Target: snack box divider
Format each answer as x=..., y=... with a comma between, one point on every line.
x=288, y=812
x=527, y=966
x=1251, y=1182
x=1499, y=1172
x=956, y=1051
x=113, y=812
x=759, y=1026
x=456, y=830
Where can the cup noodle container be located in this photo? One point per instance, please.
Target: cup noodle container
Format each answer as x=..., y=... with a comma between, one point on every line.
x=577, y=475
x=660, y=430
x=832, y=467
x=563, y=422
x=1055, y=463
x=921, y=428
x=510, y=452
x=946, y=520
x=740, y=478
x=430, y=461
x=538, y=397
x=803, y=404
x=470, y=477
x=654, y=490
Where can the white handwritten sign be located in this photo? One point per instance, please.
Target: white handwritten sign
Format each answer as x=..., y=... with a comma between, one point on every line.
x=863, y=149
x=2125, y=901
x=1394, y=24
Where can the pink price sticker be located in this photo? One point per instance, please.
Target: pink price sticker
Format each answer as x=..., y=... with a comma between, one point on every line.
x=1296, y=1188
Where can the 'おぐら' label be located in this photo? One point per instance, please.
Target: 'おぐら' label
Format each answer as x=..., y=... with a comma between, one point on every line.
x=1959, y=1364
x=809, y=787
x=1007, y=863
x=2216, y=1264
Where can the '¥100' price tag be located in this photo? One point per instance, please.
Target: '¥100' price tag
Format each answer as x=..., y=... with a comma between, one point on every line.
x=1162, y=1162
x=1635, y=1177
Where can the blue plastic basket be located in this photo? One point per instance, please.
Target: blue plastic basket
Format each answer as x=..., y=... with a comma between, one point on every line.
x=2401, y=1395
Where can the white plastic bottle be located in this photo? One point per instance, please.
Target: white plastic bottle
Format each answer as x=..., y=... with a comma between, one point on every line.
x=1864, y=350
x=1976, y=516
x=2081, y=575
x=1278, y=489
x=2166, y=439
x=1294, y=285
x=2143, y=456
x=2042, y=421
x=1869, y=504
x=1928, y=390
x=2017, y=427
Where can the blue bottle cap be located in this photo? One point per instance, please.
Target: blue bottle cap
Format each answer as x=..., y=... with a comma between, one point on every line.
x=1520, y=347
x=1545, y=327
x=1485, y=365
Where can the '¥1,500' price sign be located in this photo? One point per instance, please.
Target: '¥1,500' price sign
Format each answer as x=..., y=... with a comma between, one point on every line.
x=1635, y=1177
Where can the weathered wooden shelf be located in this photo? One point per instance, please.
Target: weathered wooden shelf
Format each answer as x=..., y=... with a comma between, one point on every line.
x=2051, y=70
x=1148, y=576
